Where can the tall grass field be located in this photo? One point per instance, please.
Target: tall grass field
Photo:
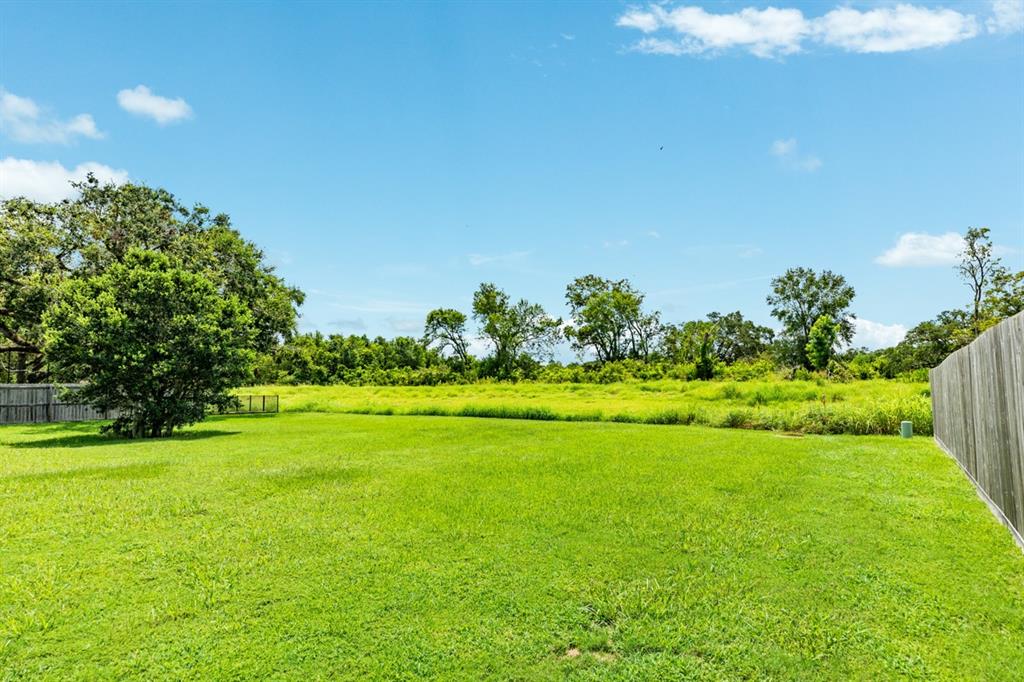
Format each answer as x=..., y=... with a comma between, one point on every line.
x=332, y=546
x=858, y=407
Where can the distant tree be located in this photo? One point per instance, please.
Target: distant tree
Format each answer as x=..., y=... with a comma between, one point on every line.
x=154, y=340
x=927, y=344
x=445, y=329
x=800, y=296
x=704, y=335
x=821, y=342
x=692, y=342
x=977, y=268
x=1005, y=298
x=515, y=330
x=737, y=338
x=608, y=319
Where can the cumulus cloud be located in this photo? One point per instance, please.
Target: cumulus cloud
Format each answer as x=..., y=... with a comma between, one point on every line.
x=920, y=249
x=142, y=101
x=22, y=120
x=1007, y=16
x=772, y=32
x=877, y=335
x=894, y=29
x=49, y=181
x=765, y=32
x=788, y=152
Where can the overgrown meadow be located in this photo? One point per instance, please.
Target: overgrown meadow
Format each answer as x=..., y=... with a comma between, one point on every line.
x=805, y=406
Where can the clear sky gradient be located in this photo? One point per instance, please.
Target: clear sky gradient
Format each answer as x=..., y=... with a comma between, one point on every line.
x=389, y=158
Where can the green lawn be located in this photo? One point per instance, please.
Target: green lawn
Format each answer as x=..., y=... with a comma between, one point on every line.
x=858, y=407
x=313, y=546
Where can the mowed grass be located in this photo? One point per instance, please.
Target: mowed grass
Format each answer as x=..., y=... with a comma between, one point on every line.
x=324, y=546
x=858, y=407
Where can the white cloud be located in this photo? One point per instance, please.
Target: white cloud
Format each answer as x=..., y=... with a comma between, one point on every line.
x=568, y=36
x=640, y=20
x=877, y=335
x=141, y=100
x=894, y=29
x=653, y=234
x=49, y=181
x=478, y=259
x=920, y=249
x=789, y=153
x=766, y=33
x=1007, y=16
x=616, y=243
x=23, y=120
x=772, y=32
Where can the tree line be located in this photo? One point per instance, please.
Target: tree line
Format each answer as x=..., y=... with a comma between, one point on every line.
x=163, y=308
x=616, y=336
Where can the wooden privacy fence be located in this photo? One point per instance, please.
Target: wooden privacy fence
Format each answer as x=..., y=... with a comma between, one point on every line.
x=978, y=409
x=31, y=403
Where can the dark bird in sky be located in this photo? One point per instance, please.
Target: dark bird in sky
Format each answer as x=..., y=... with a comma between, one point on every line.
x=661, y=147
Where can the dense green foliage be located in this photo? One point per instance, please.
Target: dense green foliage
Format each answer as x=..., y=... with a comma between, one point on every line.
x=312, y=546
x=520, y=333
x=861, y=407
x=318, y=359
x=821, y=342
x=445, y=330
x=799, y=298
x=154, y=341
x=44, y=245
x=609, y=320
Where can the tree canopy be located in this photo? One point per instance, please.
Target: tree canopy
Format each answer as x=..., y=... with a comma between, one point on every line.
x=155, y=341
x=518, y=332
x=608, y=319
x=800, y=296
x=44, y=245
x=445, y=329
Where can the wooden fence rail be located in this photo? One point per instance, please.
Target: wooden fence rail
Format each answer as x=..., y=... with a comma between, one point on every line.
x=978, y=410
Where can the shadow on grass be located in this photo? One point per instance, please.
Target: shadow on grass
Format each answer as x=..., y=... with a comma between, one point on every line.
x=93, y=439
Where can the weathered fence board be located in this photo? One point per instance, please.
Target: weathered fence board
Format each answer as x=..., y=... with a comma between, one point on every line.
x=31, y=403
x=978, y=410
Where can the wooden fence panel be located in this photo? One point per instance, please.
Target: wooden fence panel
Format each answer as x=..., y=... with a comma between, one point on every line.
x=978, y=410
x=31, y=403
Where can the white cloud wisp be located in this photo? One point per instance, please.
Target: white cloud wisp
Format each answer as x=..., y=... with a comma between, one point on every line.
x=142, y=101
x=22, y=120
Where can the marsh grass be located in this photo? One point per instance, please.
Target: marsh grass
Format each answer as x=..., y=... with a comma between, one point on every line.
x=857, y=408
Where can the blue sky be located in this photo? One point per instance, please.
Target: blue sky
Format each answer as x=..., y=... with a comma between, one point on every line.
x=389, y=158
